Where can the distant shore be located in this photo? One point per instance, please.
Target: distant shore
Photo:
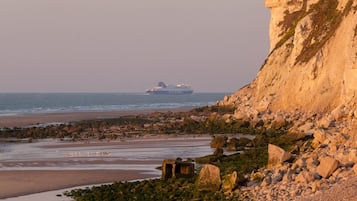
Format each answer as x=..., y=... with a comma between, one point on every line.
x=22, y=120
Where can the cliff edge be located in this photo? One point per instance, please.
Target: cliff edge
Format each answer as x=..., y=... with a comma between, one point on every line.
x=308, y=81
x=312, y=66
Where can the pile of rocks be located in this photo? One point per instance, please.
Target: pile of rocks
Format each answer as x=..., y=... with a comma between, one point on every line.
x=306, y=176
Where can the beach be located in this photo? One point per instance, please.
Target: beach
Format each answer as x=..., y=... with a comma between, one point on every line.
x=50, y=164
x=25, y=182
x=21, y=120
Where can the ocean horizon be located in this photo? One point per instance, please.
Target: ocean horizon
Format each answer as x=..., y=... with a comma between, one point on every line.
x=12, y=104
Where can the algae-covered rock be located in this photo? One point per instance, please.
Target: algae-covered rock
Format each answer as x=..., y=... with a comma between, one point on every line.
x=219, y=141
x=229, y=182
x=209, y=178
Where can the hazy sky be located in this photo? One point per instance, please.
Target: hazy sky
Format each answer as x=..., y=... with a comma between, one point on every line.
x=130, y=45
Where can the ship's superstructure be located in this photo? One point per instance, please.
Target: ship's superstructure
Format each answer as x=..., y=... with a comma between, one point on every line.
x=178, y=89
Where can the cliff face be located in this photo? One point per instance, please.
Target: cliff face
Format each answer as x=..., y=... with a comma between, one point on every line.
x=312, y=66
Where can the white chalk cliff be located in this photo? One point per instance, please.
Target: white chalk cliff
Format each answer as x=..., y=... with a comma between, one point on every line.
x=312, y=65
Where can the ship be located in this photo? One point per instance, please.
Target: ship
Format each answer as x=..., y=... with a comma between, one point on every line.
x=164, y=89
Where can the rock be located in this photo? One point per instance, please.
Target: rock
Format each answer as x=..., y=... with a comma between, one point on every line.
x=326, y=122
x=266, y=181
x=306, y=127
x=288, y=177
x=198, y=118
x=209, y=178
x=276, y=155
x=355, y=168
x=256, y=176
x=353, y=155
x=348, y=164
x=240, y=115
x=277, y=177
x=278, y=122
x=316, y=176
x=219, y=141
x=229, y=182
x=315, y=186
x=305, y=177
x=320, y=135
x=301, y=163
x=232, y=144
x=327, y=166
x=235, y=144
x=339, y=112
x=243, y=141
x=218, y=152
x=263, y=104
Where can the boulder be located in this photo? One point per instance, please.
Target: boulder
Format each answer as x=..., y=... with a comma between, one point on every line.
x=209, y=178
x=353, y=155
x=305, y=177
x=240, y=115
x=326, y=122
x=327, y=166
x=235, y=144
x=320, y=137
x=219, y=141
x=243, y=141
x=218, y=152
x=277, y=177
x=306, y=127
x=278, y=122
x=229, y=182
x=277, y=155
x=266, y=181
x=339, y=112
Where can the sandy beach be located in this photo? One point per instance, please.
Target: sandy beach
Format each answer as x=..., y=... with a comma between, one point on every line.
x=28, y=168
x=65, y=117
x=46, y=165
x=17, y=183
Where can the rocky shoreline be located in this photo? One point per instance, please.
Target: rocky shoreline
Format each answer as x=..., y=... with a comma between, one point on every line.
x=329, y=160
x=313, y=156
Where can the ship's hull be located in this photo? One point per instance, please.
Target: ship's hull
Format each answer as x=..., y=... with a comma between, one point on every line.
x=163, y=89
x=166, y=92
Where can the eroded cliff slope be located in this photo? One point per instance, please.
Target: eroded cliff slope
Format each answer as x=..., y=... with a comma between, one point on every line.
x=312, y=66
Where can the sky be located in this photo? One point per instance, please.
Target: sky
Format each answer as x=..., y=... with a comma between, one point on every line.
x=130, y=45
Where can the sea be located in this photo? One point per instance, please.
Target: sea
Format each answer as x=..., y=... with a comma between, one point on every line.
x=12, y=104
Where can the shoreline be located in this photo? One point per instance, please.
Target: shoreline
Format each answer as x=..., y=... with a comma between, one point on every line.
x=29, y=182
x=30, y=175
x=35, y=119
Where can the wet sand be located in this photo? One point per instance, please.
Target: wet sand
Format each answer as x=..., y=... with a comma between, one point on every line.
x=17, y=183
x=19, y=176
x=45, y=118
x=29, y=168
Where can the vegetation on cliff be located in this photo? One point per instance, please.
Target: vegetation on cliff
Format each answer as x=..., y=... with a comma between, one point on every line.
x=325, y=18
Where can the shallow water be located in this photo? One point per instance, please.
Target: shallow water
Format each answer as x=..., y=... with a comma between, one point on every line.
x=127, y=155
x=54, y=155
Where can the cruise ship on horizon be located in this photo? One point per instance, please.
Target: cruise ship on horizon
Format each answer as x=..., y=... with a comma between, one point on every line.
x=178, y=89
